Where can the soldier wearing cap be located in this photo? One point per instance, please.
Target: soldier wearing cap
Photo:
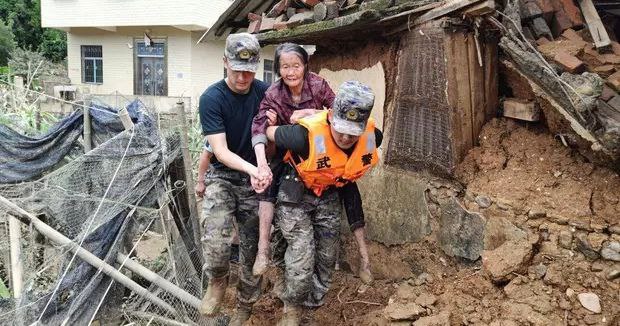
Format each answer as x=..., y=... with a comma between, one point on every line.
x=327, y=153
x=226, y=112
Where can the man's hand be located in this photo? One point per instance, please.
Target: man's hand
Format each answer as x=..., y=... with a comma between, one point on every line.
x=200, y=189
x=263, y=179
x=299, y=114
x=272, y=117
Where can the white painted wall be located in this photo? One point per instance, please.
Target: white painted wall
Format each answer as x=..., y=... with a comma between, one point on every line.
x=191, y=67
x=102, y=13
x=374, y=77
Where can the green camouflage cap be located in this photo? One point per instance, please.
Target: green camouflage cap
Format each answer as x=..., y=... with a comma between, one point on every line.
x=352, y=107
x=242, y=52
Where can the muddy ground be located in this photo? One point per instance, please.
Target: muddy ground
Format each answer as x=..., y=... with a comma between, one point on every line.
x=551, y=230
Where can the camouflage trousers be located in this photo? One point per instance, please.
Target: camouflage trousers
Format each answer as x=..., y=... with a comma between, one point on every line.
x=229, y=197
x=311, y=229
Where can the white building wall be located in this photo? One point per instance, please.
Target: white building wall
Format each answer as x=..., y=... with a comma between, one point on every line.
x=102, y=13
x=191, y=67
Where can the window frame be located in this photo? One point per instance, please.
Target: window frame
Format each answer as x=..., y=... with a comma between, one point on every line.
x=268, y=71
x=84, y=59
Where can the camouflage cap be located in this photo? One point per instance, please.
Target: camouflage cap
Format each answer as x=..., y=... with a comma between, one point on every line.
x=242, y=52
x=352, y=107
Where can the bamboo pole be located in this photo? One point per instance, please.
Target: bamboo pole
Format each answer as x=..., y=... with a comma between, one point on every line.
x=189, y=178
x=154, y=278
x=88, y=257
x=88, y=142
x=16, y=259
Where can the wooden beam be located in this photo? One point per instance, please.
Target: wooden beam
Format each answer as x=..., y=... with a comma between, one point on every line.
x=17, y=268
x=521, y=109
x=480, y=9
x=446, y=8
x=595, y=25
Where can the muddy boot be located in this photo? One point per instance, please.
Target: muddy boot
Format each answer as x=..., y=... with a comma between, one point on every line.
x=260, y=264
x=291, y=316
x=241, y=315
x=215, y=294
x=365, y=274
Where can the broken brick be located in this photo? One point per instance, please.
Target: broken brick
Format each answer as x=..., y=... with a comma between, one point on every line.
x=542, y=40
x=550, y=49
x=614, y=81
x=572, y=12
x=530, y=10
x=614, y=102
x=569, y=62
x=546, y=6
x=540, y=28
x=280, y=25
x=572, y=35
x=609, y=58
x=607, y=93
x=311, y=3
x=560, y=23
x=606, y=69
x=254, y=26
x=267, y=24
x=615, y=46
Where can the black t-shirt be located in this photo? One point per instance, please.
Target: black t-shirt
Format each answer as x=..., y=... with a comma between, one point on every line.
x=224, y=111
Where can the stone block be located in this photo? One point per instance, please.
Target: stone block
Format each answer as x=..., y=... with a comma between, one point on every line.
x=461, y=233
x=395, y=206
x=540, y=28
x=569, y=62
x=530, y=10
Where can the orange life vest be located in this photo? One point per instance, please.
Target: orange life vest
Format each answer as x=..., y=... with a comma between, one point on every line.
x=327, y=164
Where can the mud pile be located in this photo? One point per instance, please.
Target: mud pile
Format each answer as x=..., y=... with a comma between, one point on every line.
x=549, y=253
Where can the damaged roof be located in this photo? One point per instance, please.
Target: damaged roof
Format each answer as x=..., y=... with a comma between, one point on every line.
x=376, y=18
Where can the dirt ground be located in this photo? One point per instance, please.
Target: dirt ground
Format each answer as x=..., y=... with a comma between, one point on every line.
x=529, y=188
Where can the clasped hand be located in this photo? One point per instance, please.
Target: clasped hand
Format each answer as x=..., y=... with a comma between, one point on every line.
x=262, y=178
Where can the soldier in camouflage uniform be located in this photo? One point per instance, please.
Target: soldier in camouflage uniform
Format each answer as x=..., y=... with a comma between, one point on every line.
x=226, y=112
x=327, y=153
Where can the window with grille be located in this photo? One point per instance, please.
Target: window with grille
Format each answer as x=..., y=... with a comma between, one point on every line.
x=92, y=64
x=268, y=71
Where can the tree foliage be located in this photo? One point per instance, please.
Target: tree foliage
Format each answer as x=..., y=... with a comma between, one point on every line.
x=23, y=17
x=7, y=43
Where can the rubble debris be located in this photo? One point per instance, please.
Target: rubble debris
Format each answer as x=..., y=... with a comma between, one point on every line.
x=590, y=301
x=441, y=319
x=511, y=257
x=426, y=299
x=403, y=311
x=611, y=251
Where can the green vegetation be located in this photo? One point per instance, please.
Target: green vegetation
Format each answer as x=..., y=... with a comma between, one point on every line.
x=23, y=19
